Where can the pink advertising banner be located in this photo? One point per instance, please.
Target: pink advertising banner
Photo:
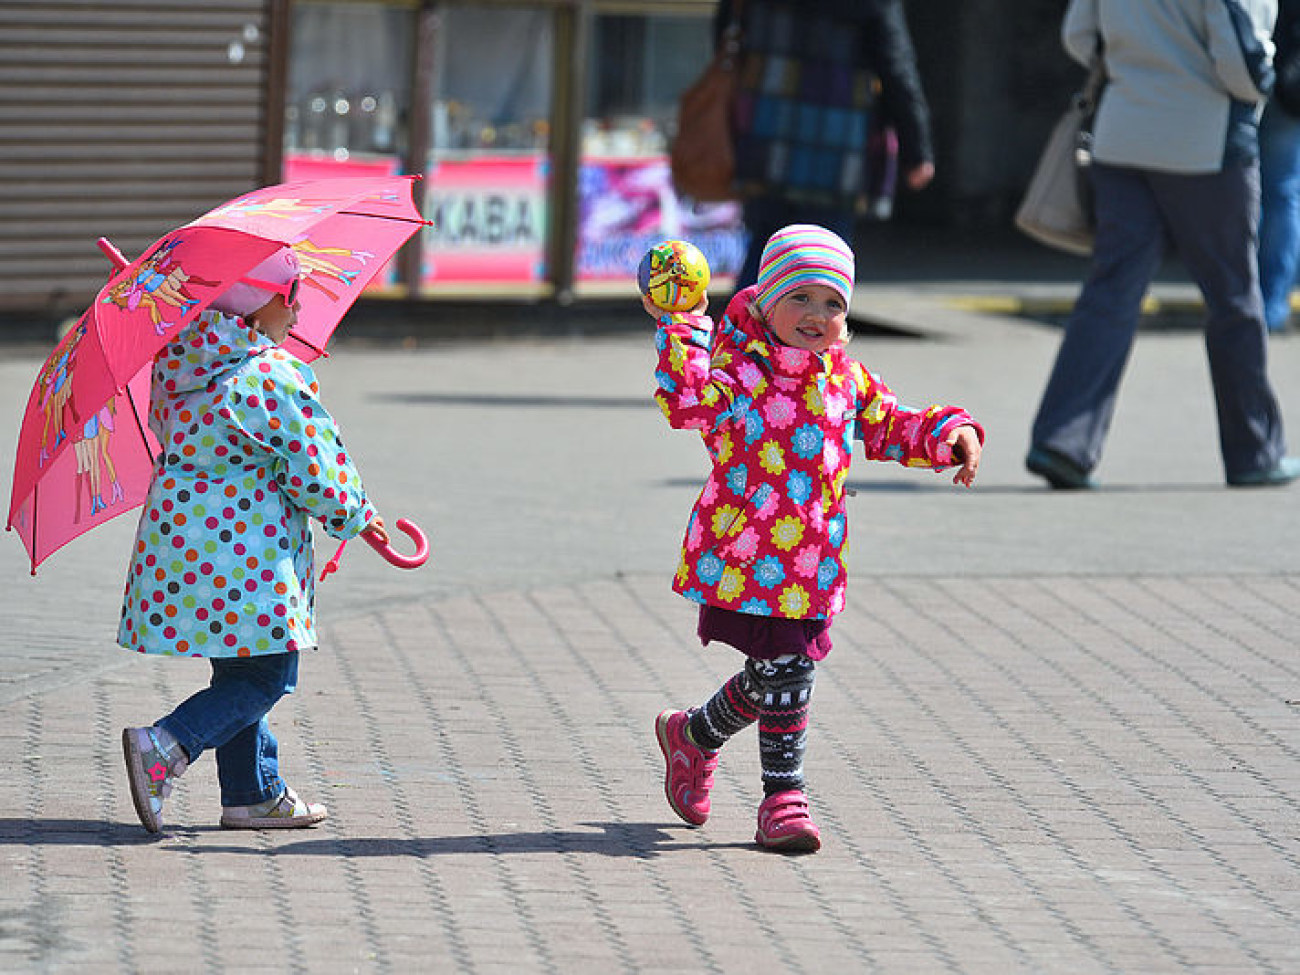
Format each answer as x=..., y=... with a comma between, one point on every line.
x=489, y=220
x=489, y=214
x=626, y=205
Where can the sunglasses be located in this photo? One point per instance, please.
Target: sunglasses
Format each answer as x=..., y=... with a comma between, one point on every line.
x=288, y=291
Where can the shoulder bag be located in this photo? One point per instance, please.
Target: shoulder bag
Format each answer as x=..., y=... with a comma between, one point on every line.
x=1057, y=206
x=702, y=157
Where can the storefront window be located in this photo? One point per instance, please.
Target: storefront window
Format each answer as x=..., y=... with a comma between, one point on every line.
x=639, y=66
x=487, y=171
x=463, y=93
x=349, y=83
x=348, y=95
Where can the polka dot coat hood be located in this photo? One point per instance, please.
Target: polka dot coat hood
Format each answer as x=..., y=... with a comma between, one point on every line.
x=223, y=563
x=768, y=535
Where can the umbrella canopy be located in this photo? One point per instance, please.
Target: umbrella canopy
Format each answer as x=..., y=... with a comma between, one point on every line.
x=85, y=453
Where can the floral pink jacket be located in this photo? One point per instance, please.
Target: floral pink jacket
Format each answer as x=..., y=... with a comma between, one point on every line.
x=768, y=533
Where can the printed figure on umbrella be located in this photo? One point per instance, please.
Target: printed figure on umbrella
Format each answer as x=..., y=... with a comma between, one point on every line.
x=91, y=439
x=158, y=286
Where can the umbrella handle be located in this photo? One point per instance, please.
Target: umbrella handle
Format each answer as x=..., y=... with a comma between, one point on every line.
x=110, y=250
x=392, y=555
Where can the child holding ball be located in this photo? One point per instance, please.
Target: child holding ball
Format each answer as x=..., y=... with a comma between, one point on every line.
x=778, y=403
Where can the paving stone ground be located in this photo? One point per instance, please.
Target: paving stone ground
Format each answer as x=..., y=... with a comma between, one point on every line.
x=1058, y=733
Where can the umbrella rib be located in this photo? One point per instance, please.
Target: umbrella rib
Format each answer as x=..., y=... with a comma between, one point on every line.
x=144, y=434
x=388, y=216
x=311, y=345
x=36, y=522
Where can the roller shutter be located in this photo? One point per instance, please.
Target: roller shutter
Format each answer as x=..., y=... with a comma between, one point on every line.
x=122, y=119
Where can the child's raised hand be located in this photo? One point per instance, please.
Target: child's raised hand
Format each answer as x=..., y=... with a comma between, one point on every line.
x=966, y=447
x=655, y=312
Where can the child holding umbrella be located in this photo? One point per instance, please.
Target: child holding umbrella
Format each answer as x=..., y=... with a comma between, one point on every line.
x=222, y=565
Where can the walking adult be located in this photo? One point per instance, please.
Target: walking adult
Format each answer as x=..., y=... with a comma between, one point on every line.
x=823, y=40
x=1175, y=161
x=1279, y=173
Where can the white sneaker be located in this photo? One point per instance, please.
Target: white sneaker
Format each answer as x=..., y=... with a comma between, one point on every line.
x=286, y=811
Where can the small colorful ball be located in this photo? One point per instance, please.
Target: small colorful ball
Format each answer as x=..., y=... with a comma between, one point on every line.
x=674, y=275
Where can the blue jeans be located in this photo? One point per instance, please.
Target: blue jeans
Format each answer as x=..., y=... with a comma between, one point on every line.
x=1211, y=220
x=230, y=716
x=1279, y=220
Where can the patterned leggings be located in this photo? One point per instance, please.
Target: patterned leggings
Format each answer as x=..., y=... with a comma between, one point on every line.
x=776, y=694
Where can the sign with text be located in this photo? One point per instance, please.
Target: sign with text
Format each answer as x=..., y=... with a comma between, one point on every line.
x=489, y=220
x=489, y=213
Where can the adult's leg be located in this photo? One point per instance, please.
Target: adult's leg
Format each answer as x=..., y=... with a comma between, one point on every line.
x=1213, y=222
x=1279, y=217
x=1079, y=401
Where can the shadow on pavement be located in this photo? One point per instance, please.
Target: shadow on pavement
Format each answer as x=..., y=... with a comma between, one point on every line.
x=74, y=832
x=636, y=840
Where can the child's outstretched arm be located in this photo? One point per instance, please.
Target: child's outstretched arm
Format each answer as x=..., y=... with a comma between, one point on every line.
x=935, y=437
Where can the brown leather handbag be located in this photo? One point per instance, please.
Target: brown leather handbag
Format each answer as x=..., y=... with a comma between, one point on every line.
x=703, y=156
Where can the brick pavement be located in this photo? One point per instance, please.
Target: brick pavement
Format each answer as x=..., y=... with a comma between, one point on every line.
x=1057, y=733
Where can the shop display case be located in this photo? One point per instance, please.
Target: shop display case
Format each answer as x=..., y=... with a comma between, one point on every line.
x=541, y=131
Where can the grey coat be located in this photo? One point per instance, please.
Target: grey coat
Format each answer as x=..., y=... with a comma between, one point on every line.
x=1186, y=78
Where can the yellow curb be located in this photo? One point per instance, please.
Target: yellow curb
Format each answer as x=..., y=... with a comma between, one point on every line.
x=1032, y=307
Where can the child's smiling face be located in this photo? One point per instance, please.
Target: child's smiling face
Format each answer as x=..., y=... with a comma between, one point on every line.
x=812, y=317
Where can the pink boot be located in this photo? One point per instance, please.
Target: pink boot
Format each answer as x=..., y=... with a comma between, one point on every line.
x=784, y=824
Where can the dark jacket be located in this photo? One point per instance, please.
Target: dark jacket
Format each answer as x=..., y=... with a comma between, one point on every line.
x=1286, y=60
x=888, y=52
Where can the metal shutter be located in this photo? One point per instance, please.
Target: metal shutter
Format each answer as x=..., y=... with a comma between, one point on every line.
x=120, y=119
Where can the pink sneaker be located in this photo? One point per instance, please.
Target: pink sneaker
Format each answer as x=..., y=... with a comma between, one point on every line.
x=690, y=768
x=784, y=824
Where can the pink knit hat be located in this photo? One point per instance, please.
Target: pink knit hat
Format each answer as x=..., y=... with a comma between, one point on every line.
x=278, y=272
x=803, y=254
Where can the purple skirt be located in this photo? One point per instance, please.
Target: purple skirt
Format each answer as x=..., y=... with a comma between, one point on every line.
x=765, y=637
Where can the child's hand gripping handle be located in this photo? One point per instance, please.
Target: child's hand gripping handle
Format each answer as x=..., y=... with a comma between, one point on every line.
x=395, y=557
x=386, y=549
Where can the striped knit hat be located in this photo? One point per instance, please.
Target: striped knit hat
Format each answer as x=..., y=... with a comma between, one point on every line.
x=802, y=254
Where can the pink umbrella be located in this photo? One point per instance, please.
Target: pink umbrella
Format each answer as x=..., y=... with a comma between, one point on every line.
x=85, y=453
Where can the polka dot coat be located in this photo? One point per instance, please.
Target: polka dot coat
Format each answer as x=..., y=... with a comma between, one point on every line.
x=768, y=535
x=223, y=564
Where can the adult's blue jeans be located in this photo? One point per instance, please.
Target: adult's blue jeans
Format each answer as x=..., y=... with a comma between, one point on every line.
x=1279, y=219
x=230, y=715
x=1211, y=219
